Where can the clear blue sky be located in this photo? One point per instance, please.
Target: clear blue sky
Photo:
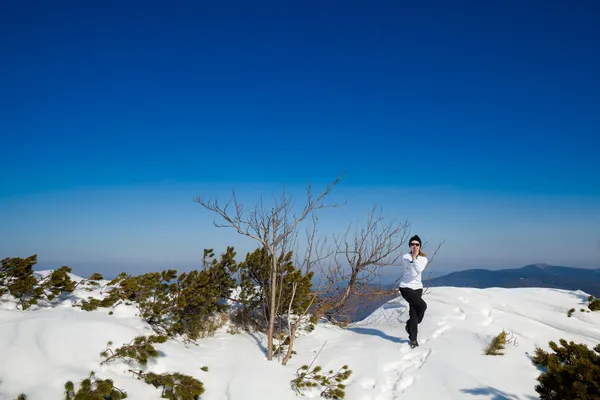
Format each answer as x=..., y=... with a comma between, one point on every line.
x=477, y=121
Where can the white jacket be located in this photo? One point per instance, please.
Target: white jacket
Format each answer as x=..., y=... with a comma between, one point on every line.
x=411, y=271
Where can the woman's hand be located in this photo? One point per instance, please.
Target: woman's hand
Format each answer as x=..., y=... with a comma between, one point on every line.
x=414, y=251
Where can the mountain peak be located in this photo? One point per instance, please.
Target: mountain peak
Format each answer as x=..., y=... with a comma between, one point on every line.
x=533, y=275
x=538, y=265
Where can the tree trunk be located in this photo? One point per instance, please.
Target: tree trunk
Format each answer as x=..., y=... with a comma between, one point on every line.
x=290, y=344
x=271, y=332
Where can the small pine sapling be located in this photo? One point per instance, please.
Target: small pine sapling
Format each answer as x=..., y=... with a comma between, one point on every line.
x=570, y=313
x=497, y=344
x=22, y=396
x=330, y=383
x=174, y=386
x=93, y=388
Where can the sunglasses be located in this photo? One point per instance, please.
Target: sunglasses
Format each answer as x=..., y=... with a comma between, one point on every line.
x=415, y=244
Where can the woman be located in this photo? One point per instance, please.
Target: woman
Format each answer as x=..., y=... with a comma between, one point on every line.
x=411, y=287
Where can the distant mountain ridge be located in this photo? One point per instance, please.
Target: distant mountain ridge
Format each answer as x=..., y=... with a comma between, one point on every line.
x=534, y=275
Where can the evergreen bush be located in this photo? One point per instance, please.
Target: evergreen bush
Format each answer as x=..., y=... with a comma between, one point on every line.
x=17, y=279
x=571, y=372
x=255, y=294
x=93, y=388
x=174, y=386
x=140, y=349
x=187, y=304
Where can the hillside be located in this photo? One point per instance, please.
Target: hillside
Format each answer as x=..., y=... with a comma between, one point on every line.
x=537, y=275
x=44, y=347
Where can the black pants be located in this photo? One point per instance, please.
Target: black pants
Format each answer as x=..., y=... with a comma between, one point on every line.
x=417, y=310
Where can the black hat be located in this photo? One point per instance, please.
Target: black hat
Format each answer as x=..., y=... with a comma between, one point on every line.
x=416, y=238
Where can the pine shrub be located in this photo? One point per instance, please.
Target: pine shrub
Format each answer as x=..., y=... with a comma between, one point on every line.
x=93, y=388
x=140, y=349
x=91, y=304
x=187, y=304
x=570, y=313
x=22, y=396
x=174, y=386
x=96, y=276
x=571, y=372
x=17, y=279
x=329, y=383
x=255, y=284
x=497, y=344
x=594, y=304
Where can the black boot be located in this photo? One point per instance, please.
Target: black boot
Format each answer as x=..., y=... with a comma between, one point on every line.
x=414, y=344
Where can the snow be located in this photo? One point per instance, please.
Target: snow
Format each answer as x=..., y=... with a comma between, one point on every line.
x=42, y=348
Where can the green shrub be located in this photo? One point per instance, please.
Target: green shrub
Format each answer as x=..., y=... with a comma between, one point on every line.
x=174, y=386
x=594, y=305
x=570, y=313
x=255, y=283
x=571, y=372
x=91, y=303
x=22, y=396
x=330, y=383
x=139, y=349
x=18, y=280
x=96, y=276
x=173, y=304
x=93, y=388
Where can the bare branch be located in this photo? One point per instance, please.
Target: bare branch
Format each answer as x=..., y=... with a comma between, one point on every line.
x=372, y=246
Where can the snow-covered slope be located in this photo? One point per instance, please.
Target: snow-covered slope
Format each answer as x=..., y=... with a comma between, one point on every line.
x=42, y=348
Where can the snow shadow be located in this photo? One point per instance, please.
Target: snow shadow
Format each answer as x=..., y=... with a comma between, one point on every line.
x=377, y=332
x=495, y=394
x=581, y=297
x=258, y=341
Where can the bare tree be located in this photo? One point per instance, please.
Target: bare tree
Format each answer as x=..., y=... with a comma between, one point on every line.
x=314, y=255
x=361, y=254
x=273, y=228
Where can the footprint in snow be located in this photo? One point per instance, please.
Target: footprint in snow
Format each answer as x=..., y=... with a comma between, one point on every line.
x=368, y=383
x=462, y=315
x=488, y=317
x=398, y=378
x=440, y=330
x=443, y=327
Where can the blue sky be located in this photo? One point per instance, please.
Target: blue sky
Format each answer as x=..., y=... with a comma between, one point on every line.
x=476, y=121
